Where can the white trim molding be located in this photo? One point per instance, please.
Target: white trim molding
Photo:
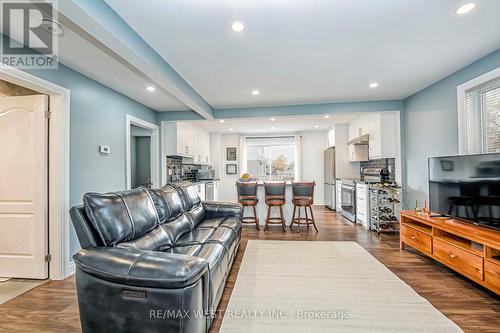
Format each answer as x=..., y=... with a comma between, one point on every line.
x=461, y=89
x=155, y=149
x=58, y=201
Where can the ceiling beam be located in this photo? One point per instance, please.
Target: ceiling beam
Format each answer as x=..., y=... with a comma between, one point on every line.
x=100, y=21
x=310, y=109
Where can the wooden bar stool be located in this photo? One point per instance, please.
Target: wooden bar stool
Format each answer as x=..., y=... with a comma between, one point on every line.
x=247, y=196
x=275, y=197
x=303, y=196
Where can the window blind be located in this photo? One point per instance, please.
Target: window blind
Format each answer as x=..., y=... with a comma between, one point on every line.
x=482, y=118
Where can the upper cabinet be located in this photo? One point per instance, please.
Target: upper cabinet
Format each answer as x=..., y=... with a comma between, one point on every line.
x=382, y=136
x=186, y=140
x=331, y=138
x=381, y=130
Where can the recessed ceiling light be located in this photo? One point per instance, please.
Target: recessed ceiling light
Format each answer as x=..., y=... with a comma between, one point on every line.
x=273, y=119
x=230, y=130
x=316, y=126
x=238, y=26
x=151, y=88
x=221, y=121
x=465, y=8
x=272, y=127
x=327, y=116
x=255, y=92
x=373, y=85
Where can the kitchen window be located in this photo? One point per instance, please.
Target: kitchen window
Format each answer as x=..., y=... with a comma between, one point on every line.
x=479, y=114
x=271, y=158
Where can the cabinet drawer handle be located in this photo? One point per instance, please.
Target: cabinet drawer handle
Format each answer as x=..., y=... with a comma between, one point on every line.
x=452, y=256
x=414, y=237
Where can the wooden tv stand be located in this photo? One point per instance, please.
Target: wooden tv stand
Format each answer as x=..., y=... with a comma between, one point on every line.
x=471, y=250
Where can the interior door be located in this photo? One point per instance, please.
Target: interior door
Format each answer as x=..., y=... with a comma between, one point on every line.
x=23, y=187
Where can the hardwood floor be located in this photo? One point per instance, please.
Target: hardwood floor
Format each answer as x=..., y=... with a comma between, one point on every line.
x=52, y=307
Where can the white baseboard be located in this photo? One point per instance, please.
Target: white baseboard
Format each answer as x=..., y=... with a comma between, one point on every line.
x=71, y=268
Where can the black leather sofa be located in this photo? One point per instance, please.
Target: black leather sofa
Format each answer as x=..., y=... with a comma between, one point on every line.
x=153, y=260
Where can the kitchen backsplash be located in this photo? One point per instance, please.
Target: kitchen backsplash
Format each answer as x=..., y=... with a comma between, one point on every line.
x=389, y=163
x=188, y=169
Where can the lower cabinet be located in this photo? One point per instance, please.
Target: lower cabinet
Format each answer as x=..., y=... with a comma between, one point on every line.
x=200, y=190
x=362, y=204
x=216, y=190
x=467, y=249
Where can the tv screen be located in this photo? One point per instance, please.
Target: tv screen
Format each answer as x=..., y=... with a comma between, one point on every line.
x=466, y=187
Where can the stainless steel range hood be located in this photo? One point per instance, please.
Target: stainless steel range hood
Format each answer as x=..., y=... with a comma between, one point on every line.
x=360, y=140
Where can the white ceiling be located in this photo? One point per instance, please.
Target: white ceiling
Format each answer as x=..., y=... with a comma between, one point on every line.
x=303, y=51
x=80, y=51
x=280, y=124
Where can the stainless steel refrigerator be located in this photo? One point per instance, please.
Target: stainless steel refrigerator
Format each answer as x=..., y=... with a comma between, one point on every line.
x=330, y=178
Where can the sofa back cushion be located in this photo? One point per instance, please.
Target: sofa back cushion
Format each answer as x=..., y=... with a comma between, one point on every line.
x=188, y=194
x=168, y=203
x=121, y=216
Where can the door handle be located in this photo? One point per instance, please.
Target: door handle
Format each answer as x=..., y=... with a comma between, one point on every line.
x=414, y=237
x=452, y=256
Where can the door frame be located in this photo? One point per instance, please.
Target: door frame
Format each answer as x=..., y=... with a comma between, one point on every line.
x=155, y=150
x=61, y=264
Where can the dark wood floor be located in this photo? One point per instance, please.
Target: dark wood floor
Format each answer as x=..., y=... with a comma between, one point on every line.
x=52, y=307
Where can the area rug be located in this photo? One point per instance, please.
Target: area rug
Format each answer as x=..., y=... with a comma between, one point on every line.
x=12, y=288
x=301, y=286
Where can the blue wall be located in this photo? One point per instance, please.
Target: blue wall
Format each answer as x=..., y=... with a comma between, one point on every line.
x=430, y=125
x=97, y=118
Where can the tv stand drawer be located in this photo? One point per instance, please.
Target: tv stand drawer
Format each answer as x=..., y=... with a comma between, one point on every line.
x=416, y=239
x=492, y=275
x=458, y=259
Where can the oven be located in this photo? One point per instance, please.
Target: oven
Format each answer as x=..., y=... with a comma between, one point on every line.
x=348, y=200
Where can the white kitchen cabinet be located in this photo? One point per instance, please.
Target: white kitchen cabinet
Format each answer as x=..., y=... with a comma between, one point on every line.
x=178, y=138
x=338, y=197
x=362, y=204
x=216, y=190
x=200, y=190
x=357, y=153
x=331, y=138
x=382, y=136
x=201, y=146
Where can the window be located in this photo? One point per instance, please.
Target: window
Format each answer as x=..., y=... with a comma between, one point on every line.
x=480, y=115
x=271, y=158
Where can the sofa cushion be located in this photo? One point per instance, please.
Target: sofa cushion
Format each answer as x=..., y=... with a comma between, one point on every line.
x=178, y=227
x=225, y=237
x=188, y=194
x=191, y=250
x=168, y=203
x=232, y=223
x=121, y=216
x=211, y=223
x=196, y=214
x=155, y=240
x=218, y=261
x=196, y=236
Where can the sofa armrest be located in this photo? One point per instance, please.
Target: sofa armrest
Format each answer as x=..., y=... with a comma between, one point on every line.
x=135, y=267
x=214, y=209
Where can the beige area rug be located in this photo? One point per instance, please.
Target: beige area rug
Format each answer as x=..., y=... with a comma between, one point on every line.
x=12, y=288
x=288, y=286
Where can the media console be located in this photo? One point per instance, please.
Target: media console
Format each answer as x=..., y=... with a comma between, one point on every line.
x=470, y=250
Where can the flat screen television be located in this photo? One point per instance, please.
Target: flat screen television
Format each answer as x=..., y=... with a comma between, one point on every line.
x=466, y=187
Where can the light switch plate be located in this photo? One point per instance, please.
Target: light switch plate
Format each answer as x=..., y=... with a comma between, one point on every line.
x=104, y=150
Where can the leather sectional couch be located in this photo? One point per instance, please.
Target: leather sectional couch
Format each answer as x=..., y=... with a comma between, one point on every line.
x=153, y=260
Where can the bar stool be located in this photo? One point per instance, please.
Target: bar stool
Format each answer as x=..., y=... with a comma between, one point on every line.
x=303, y=196
x=275, y=197
x=247, y=196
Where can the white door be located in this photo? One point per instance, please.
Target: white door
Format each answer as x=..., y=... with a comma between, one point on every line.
x=23, y=187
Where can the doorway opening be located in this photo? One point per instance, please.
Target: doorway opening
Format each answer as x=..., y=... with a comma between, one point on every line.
x=142, y=153
x=140, y=156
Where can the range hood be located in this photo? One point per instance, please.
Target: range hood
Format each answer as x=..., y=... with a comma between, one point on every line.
x=360, y=140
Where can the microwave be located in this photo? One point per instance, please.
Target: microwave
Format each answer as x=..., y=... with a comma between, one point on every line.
x=208, y=174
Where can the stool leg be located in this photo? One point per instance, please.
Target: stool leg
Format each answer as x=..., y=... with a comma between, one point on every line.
x=293, y=217
x=256, y=219
x=307, y=219
x=267, y=219
x=312, y=217
x=298, y=222
x=282, y=219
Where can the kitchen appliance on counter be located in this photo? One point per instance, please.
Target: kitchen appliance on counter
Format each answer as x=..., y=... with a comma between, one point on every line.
x=375, y=175
x=348, y=200
x=205, y=174
x=329, y=170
